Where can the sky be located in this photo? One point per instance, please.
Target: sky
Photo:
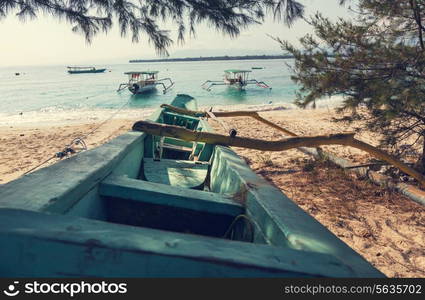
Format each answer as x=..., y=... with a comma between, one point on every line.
x=47, y=41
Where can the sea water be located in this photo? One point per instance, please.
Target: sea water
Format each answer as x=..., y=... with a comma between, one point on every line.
x=51, y=88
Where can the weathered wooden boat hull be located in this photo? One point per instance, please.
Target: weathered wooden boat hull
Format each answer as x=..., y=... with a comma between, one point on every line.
x=86, y=71
x=96, y=214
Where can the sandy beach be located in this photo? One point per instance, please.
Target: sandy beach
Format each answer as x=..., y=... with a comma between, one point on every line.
x=386, y=228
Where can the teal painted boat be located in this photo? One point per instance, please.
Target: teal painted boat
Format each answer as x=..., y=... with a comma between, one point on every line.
x=150, y=206
x=81, y=70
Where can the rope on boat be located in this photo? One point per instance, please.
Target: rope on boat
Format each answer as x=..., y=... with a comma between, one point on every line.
x=104, y=122
x=69, y=150
x=230, y=233
x=39, y=165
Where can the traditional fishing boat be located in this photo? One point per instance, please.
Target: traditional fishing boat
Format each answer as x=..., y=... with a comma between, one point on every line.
x=236, y=79
x=148, y=205
x=141, y=82
x=80, y=70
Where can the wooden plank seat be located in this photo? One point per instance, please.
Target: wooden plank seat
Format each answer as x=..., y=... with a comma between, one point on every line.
x=154, y=205
x=177, y=147
x=181, y=173
x=154, y=193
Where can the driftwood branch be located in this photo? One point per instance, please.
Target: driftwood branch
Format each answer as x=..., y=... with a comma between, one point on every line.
x=227, y=114
x=281, y=145
x=219, y=139
x=408, y=190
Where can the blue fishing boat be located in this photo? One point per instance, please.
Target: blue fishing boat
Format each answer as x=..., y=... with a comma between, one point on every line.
x=146, y=205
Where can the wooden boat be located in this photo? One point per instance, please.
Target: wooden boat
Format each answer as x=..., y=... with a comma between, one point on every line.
x=80, y=70
x=150, y=206
x=236, y=79
x=141, y=82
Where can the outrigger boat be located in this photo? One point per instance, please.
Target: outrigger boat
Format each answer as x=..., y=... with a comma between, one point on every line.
x=80, y=70
x=145, y=81
x=235, y=78
x=146, y=205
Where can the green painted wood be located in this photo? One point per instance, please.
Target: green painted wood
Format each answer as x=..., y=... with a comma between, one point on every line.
x=62, y=246
x=131, y=164
x=59, y=187
x=179, y=120
x=173, y=115
x=178, y=142
x=282, y=222
x=184, y=101
x=143, y=191
x=177, y=173
x=91, y=206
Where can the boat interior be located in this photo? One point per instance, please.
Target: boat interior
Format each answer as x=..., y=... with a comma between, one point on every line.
x=154, y=206
x=179, y=188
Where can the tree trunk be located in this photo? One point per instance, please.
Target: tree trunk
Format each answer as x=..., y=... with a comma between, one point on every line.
x=422, y=158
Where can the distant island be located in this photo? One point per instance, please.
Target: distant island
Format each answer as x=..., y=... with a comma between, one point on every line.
x=212, y=58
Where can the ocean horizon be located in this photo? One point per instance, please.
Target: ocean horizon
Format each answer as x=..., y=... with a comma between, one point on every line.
x=38, y=90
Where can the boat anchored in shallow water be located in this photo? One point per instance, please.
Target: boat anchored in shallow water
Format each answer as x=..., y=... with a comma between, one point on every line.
x=235, y=78
x=141, y=82
x=80, y=70
x=147, y=205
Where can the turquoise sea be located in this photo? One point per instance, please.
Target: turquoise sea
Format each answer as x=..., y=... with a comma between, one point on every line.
x=41, y=88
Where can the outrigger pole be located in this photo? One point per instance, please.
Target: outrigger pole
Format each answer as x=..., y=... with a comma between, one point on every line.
x=261, y=84
x=211, y=84
x=166, y=88
x=122, y=86
x=238, y=78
